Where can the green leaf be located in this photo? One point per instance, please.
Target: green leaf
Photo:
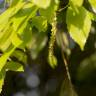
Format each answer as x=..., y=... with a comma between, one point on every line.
x=13, y=66
x=16, y=41
x=93, y=4
x=5, y=56
x=6, y=29
x=14, y=2
x=20, y=56
x=49, y=12
x=20, y=25
x=22, y=15
x=78, y=25
x=40, y=23
x=5, y=16
x=5, y=37
x=41, y=3
x=67, y=88
x=92, y=16
x=75, y=3
x=17, y=7
x=24, y=24
x=52, y=61
x=26, y=35
x=2, y=76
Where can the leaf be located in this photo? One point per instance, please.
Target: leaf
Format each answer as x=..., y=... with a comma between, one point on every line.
x=16, y=41
x=78, y=25
x=67, y=89
x=5, y=56
x=20, y=56
x=41, y=3
x=52, y=61
x=6, y=30
x=92, y=16
x=24, y=24
x=13, y=66
x=49, y=12
x=75, y=3
x=2, y=76
x=5, y=39
x=26, y=35
x=20, y=25
x=93, y=4
x=4, y=17
x=14, y=2
x=40, y=23
x=22, y=15
x=17, y=7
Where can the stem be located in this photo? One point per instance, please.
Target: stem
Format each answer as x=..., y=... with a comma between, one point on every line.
x=66, y=66
x=52, y=59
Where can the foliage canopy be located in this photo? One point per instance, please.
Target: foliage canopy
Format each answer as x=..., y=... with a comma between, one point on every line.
x=24, y=25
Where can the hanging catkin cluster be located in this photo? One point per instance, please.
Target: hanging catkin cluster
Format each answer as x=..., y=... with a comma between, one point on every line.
x=51, y=57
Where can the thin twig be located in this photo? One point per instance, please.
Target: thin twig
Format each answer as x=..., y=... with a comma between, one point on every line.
x=63, y=8
x=66, y=66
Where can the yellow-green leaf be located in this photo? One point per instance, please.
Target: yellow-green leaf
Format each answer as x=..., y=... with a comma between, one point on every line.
x=48, y=13
x=22, y=15
x=52, y=61
x=40, y=23
x=42, y=3
x=5, y=56
x=13, y=66
x=5, y=39
x=93, y=4
x=2, y=76
x=5, y=16
x=16, y=41
x=77, y=3
x=79, y=25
